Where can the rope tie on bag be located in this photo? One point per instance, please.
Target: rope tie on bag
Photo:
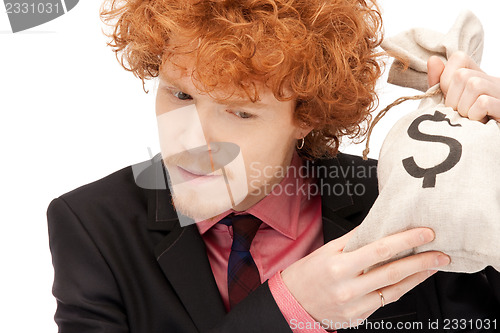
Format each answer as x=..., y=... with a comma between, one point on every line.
x=383, y=112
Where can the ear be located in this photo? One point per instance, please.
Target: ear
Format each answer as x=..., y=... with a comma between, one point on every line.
x=302, y=131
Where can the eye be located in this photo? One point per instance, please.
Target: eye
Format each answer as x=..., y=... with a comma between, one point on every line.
x=242, y=114
x=182, y=96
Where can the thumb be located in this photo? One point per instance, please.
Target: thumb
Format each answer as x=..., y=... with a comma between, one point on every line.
x=435, y=68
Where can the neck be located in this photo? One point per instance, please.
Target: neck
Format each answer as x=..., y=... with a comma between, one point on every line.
x=259, y=194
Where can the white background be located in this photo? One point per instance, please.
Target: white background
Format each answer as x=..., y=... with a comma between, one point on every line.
x=70, y=115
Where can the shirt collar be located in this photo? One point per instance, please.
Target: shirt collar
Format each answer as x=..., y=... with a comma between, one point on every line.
x=286, y=196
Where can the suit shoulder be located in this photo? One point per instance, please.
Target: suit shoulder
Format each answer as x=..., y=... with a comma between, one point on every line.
x=363, y=177
x=348, y=159
x=115, y=192
x=357, y=170
x=112, y=184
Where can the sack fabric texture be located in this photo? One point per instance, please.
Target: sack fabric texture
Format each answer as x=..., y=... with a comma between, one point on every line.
x=437, y=169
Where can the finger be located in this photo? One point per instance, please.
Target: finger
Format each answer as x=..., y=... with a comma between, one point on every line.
x=456, y=61
x=396, y=271
x=475, y=87
x=484, y=107
x=372, y=301
x=394, y=292
x=387, y=247
x=435, y=68
x=464, y=81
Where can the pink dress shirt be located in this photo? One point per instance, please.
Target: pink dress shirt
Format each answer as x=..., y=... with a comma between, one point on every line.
x=291, y=229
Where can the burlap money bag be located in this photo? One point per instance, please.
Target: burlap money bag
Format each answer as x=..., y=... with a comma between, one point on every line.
x=437, y=169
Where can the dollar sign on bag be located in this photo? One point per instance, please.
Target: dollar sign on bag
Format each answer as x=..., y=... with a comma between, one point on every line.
x=429, y=174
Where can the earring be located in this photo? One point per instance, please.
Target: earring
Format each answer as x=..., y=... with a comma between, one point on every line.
x=299, y=147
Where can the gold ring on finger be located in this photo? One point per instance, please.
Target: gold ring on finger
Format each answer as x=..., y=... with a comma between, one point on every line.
x=382, y=299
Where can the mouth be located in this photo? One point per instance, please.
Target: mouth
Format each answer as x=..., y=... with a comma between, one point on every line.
x=197, y=176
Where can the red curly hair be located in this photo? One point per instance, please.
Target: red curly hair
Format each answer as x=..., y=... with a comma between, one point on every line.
x=319, y=52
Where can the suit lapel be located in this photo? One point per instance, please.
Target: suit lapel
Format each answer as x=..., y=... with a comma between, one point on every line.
x=337, y=223
x=183, y=259
x=181, y=254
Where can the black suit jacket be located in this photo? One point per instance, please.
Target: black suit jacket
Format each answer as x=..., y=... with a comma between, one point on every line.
x=123, y=263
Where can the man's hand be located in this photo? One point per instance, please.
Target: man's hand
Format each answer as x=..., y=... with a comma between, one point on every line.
x=469, y=90
x=330, y=285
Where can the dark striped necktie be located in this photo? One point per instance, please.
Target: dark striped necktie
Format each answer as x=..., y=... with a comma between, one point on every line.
x=242, y=273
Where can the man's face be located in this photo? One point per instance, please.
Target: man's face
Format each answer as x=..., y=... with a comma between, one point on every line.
x=211, y=147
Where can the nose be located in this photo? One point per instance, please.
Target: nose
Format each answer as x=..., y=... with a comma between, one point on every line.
x=180, y=130
x=206, y=118
x=191, y=134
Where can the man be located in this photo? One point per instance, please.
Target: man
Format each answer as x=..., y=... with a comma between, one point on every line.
x=282, y=81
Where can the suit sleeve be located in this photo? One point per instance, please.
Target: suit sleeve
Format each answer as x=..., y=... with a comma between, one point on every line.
x=493, y=277
x=88, y=299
